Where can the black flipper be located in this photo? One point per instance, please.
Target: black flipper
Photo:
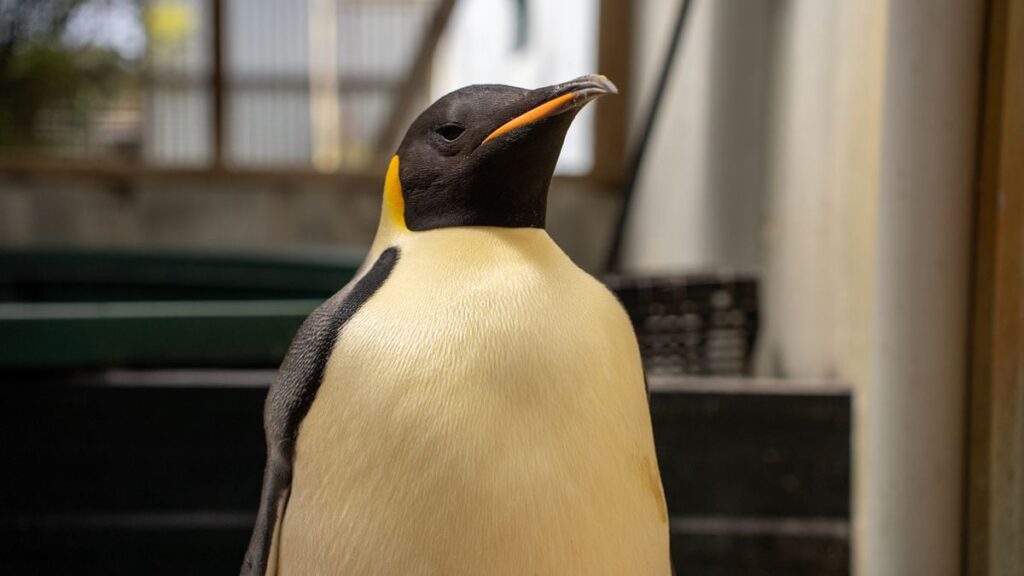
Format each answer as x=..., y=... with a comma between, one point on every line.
x=291, y=395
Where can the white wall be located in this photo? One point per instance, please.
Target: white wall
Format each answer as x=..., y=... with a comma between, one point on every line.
x=700, y=195
x=867, y=182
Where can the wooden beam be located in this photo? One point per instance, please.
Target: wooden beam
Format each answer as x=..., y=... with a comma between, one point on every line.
x=348, y=84
x=217, y=84
x=995, y=489
x=976, y=536
x=643, y=137
x=115, y=170
x=405, y=95
x=611, y=119
x=112, y=169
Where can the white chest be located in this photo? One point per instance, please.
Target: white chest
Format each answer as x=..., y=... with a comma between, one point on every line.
x=483, y=413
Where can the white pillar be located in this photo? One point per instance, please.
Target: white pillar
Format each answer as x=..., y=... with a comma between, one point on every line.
x=739, y=68
x=802, y=272
x=912, y=487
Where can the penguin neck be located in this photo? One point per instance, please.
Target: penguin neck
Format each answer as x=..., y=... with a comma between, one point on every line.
x=392, y=227
x=392, y=215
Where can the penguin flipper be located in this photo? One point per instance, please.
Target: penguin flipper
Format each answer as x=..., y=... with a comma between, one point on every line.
x=276, y=487
x=290, y=397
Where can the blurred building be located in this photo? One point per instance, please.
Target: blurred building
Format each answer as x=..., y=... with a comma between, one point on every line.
x=216, y=100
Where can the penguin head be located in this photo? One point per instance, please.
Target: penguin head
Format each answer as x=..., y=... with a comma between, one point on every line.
x=484, y=154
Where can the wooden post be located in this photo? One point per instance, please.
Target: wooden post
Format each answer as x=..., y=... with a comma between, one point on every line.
x=217, y=83
x=611, y=119
x=995, y=491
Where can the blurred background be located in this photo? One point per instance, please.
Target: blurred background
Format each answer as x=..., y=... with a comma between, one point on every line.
x=812, y=212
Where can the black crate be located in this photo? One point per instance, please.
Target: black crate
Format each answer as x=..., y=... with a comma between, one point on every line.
x=692, y=324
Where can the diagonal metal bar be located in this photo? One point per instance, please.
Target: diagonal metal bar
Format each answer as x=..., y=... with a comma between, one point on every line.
x=640, y=149
x=405, y=95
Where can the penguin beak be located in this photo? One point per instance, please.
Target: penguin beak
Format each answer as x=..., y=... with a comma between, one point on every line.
x=558, y=99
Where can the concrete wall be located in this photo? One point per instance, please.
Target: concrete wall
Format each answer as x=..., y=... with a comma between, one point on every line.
x=244, y=213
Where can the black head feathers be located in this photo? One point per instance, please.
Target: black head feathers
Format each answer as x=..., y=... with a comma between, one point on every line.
x=484, y=155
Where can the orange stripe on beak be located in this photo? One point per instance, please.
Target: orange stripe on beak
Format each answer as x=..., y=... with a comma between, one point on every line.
x=540, y=112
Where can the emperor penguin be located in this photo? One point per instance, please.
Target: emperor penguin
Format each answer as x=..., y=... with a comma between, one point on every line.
x=472, y=403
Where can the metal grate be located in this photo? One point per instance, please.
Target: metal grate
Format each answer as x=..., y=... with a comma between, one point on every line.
x=704, y=325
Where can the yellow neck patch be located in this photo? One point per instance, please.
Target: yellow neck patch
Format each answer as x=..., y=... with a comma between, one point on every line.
x=394, y=202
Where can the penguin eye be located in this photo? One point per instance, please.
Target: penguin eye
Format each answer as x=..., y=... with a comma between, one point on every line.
x=450, y=132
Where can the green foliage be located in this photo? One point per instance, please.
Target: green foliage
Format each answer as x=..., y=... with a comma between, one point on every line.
x=39, y=71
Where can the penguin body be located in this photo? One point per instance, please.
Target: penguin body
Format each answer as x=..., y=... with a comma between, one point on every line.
x=472, y=403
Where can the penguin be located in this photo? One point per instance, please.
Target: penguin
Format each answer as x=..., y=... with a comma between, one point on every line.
x=472, y=403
